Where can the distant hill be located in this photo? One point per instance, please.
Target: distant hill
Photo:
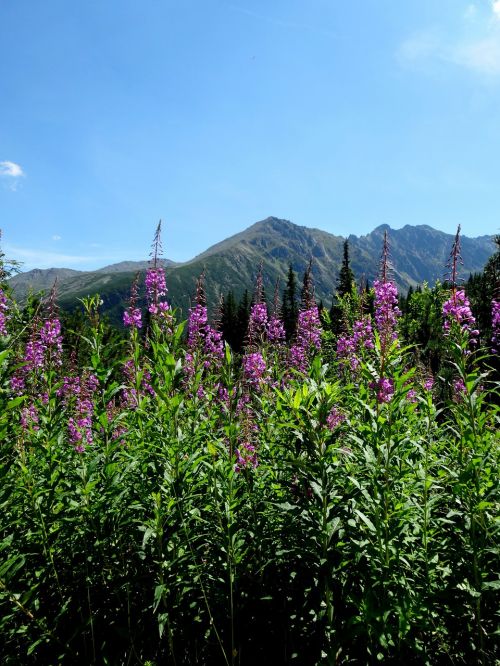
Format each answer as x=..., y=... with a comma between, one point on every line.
x=133, y=266
x=40, y=279
x=418, y=253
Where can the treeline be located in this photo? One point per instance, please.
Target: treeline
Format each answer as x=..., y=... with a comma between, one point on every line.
x=421, y=308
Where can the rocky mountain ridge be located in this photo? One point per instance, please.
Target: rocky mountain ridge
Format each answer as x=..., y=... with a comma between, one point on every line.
x=418, y=254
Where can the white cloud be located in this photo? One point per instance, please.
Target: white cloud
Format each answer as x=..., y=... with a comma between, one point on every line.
x=476, y=47
x=56, y=237
x=11, y=170
x=482, y=56
x=41, y=259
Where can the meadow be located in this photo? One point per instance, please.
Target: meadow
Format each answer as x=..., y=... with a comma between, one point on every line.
x=332, y=499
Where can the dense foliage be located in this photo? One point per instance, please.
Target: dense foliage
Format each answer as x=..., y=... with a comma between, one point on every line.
x=333, y=499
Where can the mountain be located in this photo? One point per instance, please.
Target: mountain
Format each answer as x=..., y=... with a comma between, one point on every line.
x=40, y=279
x=417, y=253
x=134, y=266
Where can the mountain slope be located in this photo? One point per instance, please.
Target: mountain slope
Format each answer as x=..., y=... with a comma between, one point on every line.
x=417, y=254
x=40, y=279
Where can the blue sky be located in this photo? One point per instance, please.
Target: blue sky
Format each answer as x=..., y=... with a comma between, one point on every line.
x=212, y=115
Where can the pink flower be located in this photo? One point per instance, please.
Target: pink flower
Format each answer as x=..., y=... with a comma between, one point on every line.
x=275, y=330
x=457, y=312
x=297, y=358
x=459, y=390
x=132, y=317
x=384, y=388
x=254, y=368
x=81, y=421
x=257, y=323
x=495, y=326
x=246, y=456
x=334, y=418
x=386, y=312
x=429, y=383
x=197, y=321
x=156, y=286
x=349, y=348
x=29, y=418
x=3, y=313
x=411, y=396
x=309, y=329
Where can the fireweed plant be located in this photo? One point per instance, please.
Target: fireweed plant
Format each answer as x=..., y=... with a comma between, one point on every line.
x=166, y=501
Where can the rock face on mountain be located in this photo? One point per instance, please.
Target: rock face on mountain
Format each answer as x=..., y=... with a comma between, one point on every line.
x=418, y=253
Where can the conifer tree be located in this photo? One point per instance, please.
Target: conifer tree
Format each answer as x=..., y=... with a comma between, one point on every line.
x=336, y=317
x=290, y=306
x=242, y=318
x=307, y=292
x=229, y=320
x=345, y=280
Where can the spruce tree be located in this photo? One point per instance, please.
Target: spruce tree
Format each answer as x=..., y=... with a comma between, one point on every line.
x=336, y=317
x=307, y=291
x=229, y=320
x=290, y=306
x=345, y=280
x=242, y=317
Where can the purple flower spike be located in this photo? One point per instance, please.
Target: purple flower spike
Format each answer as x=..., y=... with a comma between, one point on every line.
x=349, y=348
x=411, y=396
x=297, y=358
x=197, y=322
x=214, y=345
x=309, y=329
x=308, y=334
x=3, y=313
x=132, y=317
x=257, y=323
x=456, y=311
x=246, y=456
x=155, y=283
x=275, y=330
x=429, y=383
x=386, y=312
x=495, y=326
x=50, y=333
x=459, y=390
x=80, y=423
x=363, y=333
x=384, y=388
x=33, y=355
x=17, y=384
x=254, y=368
x=29, y=418
x=334, y=418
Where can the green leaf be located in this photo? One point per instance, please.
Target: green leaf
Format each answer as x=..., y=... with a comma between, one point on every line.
x=366, y=520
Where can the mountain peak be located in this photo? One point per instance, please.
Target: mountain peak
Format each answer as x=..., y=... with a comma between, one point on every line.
x=381, y=229
x=418, y=253
x=274, y=223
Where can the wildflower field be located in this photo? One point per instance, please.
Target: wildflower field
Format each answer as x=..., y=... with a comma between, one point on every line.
x=329, y=499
